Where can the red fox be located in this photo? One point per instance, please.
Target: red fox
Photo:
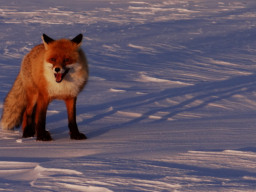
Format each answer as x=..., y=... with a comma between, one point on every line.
x=55, y=69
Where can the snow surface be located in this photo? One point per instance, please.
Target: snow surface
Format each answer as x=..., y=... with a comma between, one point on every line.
x=170, y=104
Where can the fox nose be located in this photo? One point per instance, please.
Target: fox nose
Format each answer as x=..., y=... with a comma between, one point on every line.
x=57, y=69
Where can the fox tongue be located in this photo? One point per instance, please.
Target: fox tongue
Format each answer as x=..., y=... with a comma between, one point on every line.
x=58, y=77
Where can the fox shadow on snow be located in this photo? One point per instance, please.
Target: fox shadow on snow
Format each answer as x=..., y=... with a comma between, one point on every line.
x=206, y=92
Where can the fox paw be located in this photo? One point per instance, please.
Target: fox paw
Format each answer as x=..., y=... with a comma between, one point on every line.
x=44, y=136
x=77, y=136
x=28, y=133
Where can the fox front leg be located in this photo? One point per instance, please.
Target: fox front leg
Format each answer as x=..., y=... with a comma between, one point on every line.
x=71, y=110
x=40, y=120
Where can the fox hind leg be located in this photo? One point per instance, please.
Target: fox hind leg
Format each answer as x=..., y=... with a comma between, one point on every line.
x=28, y=124
x=29, y=128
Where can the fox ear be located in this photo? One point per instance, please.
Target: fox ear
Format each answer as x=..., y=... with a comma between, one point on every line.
x=78, y=39
x=46, y=40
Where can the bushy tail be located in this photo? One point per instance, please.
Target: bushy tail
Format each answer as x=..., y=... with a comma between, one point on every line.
x=14, y=105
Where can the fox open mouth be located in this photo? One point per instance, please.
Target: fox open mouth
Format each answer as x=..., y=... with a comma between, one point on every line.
x=60, y=76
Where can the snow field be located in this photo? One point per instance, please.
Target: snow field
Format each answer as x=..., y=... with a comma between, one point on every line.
x=170, y=104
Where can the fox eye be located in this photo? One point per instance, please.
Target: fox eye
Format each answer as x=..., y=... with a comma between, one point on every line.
x=66, y=60
x=53, y=59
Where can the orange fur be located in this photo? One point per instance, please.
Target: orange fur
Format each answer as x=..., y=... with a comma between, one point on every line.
x=52, y=70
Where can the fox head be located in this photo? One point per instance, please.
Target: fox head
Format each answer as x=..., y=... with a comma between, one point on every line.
x=61, y=55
